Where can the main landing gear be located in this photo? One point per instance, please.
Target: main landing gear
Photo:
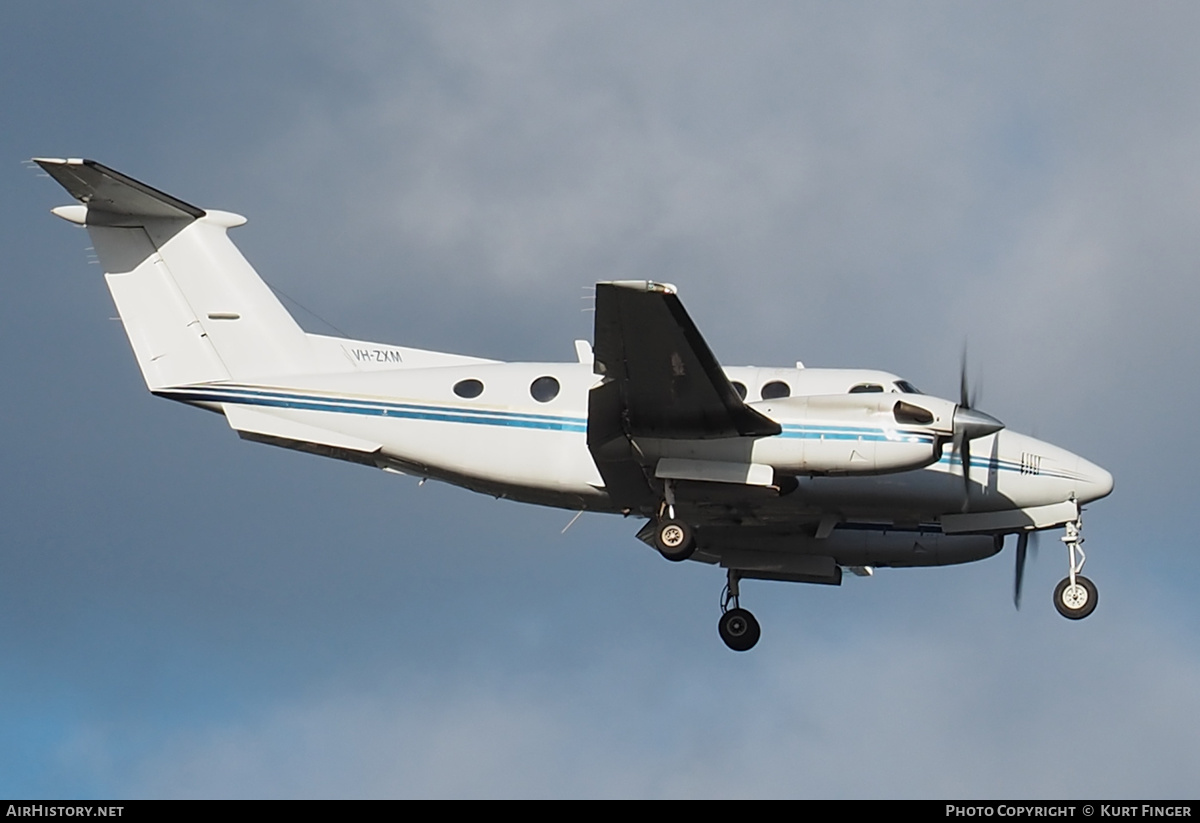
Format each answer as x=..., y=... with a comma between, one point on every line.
x=673, y=538
x=1075, y=596
x=737, y=627
x=675, y=541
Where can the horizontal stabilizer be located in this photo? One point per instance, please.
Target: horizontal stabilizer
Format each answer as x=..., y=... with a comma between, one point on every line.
x=112, y=198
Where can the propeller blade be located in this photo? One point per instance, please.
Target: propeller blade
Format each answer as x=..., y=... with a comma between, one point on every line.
x=964, y=397
x=969, y=424
x=1027, y=546
x=1019, y=577
x=964, y=454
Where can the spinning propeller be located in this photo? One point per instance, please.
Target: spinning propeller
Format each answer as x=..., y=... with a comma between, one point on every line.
x=968, y=425
x=1022, y=552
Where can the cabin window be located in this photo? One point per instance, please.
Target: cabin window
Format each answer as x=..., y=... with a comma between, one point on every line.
x=740, y=388
x=866, y=388
x=544, y=389
x=775, y=390
x=468, y=388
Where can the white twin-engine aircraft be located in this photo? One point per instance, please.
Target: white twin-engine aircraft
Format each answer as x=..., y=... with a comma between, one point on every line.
x=773, y=474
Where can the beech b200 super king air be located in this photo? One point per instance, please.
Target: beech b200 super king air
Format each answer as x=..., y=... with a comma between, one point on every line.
x=772, y=474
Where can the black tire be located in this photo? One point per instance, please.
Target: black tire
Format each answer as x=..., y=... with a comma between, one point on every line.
x=739, y=630
x=1077, y=604
x=674, y=540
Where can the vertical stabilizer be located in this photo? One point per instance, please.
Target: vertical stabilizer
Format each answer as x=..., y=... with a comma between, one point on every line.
x=194, y=310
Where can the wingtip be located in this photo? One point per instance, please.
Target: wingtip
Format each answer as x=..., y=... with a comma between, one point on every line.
x=76, y=214
x=60, y=161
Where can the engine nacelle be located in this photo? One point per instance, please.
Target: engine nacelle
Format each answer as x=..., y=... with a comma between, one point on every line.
x=855, y=433
x=842, y=434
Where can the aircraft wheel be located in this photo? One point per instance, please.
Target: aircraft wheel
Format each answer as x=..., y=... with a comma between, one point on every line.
x=674, y=540
x=1075, y=602
x=739, y=630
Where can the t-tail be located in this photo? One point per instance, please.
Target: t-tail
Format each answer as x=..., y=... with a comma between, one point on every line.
x=194, y=310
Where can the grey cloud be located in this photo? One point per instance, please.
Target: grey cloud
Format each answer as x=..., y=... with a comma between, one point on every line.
x=967, y=713
x=851, y=184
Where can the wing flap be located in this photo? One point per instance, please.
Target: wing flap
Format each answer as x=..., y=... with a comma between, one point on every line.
x=715, y=471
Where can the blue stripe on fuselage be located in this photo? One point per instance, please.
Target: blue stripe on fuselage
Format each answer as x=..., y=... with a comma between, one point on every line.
x=375, y=408
x=270, y=398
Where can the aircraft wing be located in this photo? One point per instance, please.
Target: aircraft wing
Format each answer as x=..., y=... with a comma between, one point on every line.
x=660, y=381
x=670, y=384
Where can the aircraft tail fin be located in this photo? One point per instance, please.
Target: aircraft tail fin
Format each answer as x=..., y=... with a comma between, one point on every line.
x=194, y=309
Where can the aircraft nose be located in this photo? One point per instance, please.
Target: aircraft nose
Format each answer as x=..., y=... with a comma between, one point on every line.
x=1095, y=482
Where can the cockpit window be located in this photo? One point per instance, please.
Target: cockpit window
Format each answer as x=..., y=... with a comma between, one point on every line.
x=866, y=388
x=907, y=388
x=775, y=390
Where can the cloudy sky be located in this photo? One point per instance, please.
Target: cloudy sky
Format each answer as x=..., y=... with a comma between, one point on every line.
x=183, y=614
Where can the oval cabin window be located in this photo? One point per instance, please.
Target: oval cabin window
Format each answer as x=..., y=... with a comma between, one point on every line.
x=468, y=388
x=544, y=389
x=775, y=390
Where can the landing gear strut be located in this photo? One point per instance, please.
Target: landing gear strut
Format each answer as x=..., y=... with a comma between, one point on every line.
x=1075, y=596
x=737, y=627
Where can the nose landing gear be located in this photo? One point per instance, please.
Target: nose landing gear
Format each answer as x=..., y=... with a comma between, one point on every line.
x=1077, y=600
x=737, y=626
x=1075, y=596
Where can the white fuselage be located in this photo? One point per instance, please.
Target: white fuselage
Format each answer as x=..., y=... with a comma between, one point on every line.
x=506, y=443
